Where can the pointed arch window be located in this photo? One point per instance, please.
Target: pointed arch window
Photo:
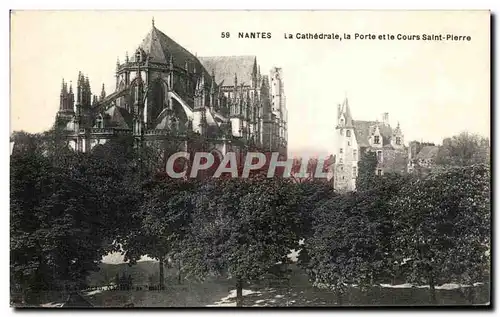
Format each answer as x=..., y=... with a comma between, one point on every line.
x=398, y=141
x=99, y=123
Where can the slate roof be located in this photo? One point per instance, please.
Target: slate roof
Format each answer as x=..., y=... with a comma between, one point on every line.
x=364, y=129
x=428, y=152
x=159, y=47
x=225, y=67
x=118, y=117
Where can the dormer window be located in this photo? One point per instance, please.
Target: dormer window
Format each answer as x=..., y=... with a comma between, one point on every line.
x=138, y=56
x=376, y=139
x=398, y=141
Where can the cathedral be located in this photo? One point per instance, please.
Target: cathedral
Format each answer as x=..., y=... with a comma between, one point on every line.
x=355, y=137
x=163, y=92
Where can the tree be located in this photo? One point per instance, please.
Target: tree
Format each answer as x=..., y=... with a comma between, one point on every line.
x=164, y=217
x=463, y=150
x=67, y=209
x=442, y=227
x=242, y=227
x=350, y=240
x=366, y=171
x=56, y=238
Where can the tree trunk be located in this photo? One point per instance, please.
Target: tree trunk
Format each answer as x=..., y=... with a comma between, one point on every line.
x=471, y=294
x=432, y=289
x=239, y=292
x=179, y=277
x=162, y=275
x=339, y=297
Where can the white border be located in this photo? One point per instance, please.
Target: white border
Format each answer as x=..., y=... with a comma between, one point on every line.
x=185, y=4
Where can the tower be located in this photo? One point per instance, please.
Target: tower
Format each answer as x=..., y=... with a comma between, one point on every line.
x=66, y=100
x=346, y=152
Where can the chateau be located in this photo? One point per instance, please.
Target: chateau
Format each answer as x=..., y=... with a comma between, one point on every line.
x=354, y=137
x=163, y=92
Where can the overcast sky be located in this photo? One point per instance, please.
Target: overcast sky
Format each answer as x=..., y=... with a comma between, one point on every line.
x=434, y=89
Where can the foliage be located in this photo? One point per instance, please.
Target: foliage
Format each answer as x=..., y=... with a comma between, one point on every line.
x=366, y=171
x=442, y=226
x=349, y=243
x=463, y=150
x=242, y=227
x=67, y=210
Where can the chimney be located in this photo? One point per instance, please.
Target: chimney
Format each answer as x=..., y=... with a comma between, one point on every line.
x=385, y=118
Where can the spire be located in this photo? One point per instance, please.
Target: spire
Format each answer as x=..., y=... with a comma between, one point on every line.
x=103, y=92
x=153, y=22
x=117, y=62
x=126, y=57
x=70, y=87
x=212, y=86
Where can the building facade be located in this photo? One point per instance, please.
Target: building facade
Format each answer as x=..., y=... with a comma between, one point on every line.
x=355, y=137
x=164, y=92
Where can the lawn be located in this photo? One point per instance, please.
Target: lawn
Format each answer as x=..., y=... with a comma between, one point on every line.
x=295, y=291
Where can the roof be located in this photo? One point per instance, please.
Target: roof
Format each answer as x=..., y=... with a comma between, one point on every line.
x=428, y=152
x=345, y=109
x=364, y=129
x=160, y=47
x=225, y=68
x=118, y=117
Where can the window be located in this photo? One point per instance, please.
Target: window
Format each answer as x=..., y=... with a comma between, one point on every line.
x=99, y=123
x=341, y=150
x=355, y=155
x=379, y=156
x=376, y=139
x=354, y=170
x=342, y=168
x=348, y=133
x=340, y=160
x=341, y=132
x=379, y=172
x=342, y=121
x=349, y=143
x=398, y=141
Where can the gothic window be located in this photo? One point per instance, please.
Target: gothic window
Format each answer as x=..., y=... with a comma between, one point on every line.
x=99, y=122
x=398, y=140
x=348, y=133
x=157, y=100
x=354, y=172
x=376, y=139
x=379, y=172
x=379, y=156
x=355, y=155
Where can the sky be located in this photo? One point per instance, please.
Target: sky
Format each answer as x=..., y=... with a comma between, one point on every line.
x=434, y=89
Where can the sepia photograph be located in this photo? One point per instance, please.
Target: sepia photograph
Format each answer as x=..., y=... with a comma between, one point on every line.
x=250, y=159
